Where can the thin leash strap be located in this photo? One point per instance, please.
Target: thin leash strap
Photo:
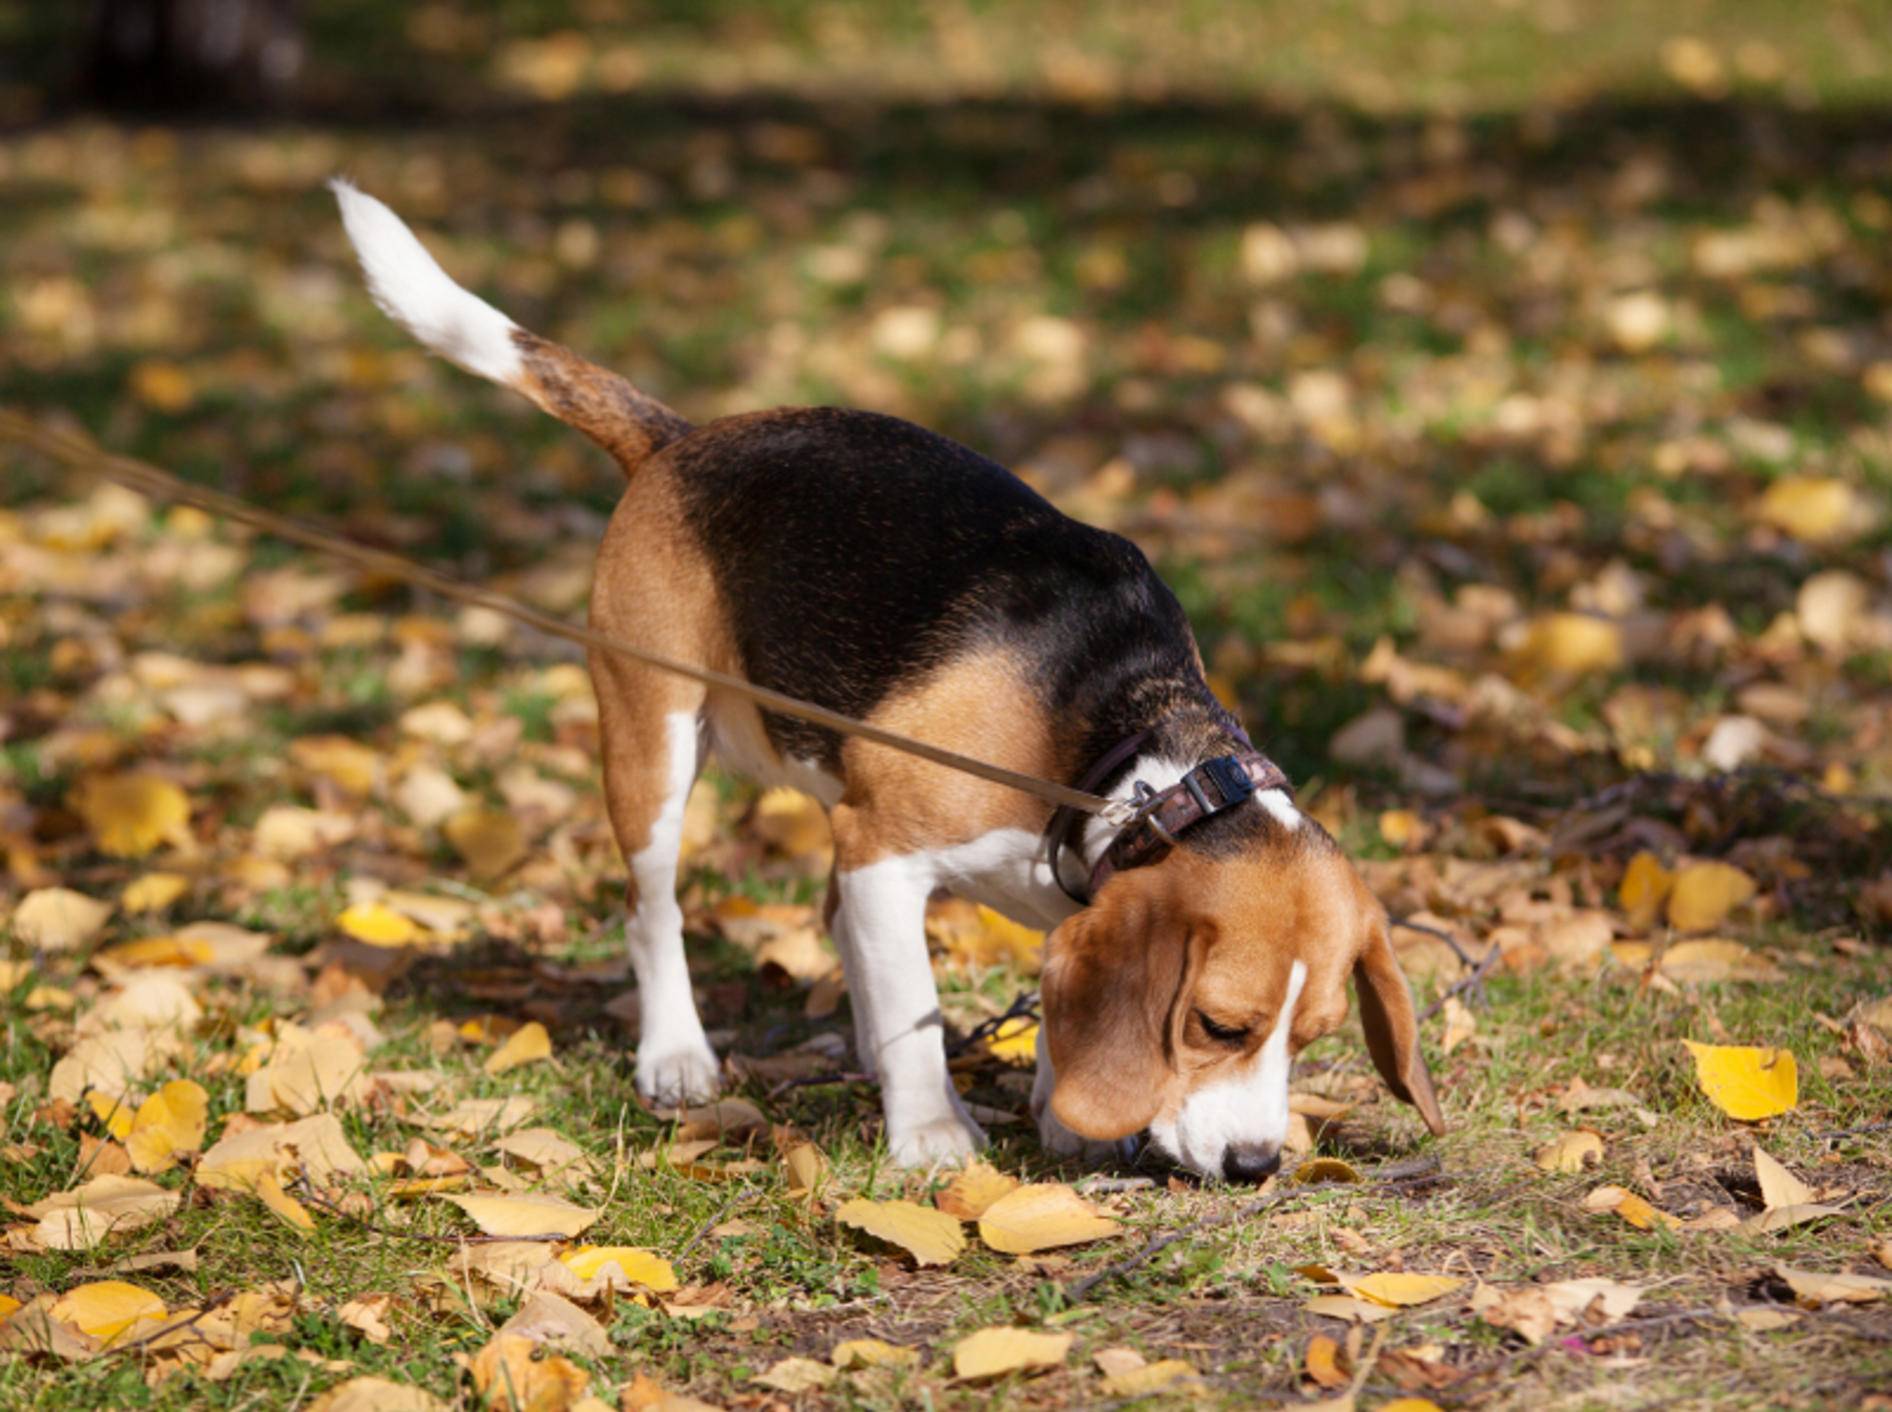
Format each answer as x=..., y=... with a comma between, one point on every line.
x=1064, y=822
x=81, y=453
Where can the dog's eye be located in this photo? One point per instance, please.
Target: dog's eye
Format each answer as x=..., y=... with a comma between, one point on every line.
x=1220, y=1033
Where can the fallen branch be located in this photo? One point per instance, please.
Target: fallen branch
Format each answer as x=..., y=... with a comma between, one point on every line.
x=1473, y=981
x=1077, y=1290
x=741, y=1198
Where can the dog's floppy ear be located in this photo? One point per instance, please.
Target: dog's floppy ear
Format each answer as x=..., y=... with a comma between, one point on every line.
x=1109, y=986
x=1392, y=1029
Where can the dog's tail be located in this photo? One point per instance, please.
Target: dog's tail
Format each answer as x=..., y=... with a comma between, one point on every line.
x=464, y=329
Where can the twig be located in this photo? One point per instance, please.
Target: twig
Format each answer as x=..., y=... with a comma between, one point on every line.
x=834, y=1076
x=1440, y=932
x=1464, y=983
x=1832, y=1134
x=1023, y=1006
x=742, y=1197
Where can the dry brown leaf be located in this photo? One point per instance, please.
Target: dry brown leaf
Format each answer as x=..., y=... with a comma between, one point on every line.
x=59, y=919
x=796, y=1375
x=85, y=1216
x=550, y=1320
x=506, y=1374
x=930, y=1237
x=376, y=1395
x=1631, y=1207
x=490, y=840
x=1812, y=1288
x=1323, y=1362
x=1779, y=1187
x=1041, y=1217
x=872, y=1353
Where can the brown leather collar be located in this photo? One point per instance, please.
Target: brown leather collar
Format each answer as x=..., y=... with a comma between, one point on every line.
x=1162, y=816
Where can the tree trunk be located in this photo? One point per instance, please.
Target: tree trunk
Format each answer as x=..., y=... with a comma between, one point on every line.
x=192, y=54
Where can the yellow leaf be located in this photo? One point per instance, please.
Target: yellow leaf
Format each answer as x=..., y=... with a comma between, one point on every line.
x=153, y=892
x=109, y=1309
x=112, y=1111
x=1572, y=1152
x=1817, y=509
x=349, y=765
x=969, y=1194
x=1563, y=645
x=59, y=919
x=1324, y=1169
x=1147, y=1379
x=267, y=1188
x=1746, y=1082
x=1015, y=1041
x=872, y=1353
x=991, y=1353
x=526, y=1215
x=1704, y=894
x=1410, y=1404
x=1022, y=945
x=793, y=823
x=158, y=951
x=171, y=1121
x=1401, y=827
x=129, y=815
x=796, y=1375
x=637, y=1266
x=378, y=925
x=507, y=1375
x=1398, y=1291
x=8, y=1306
x=930, y=1237
x=1708, y=959
x=1323, y=1362
x=162, y=385
x=805, y=1166
x=1631, y=1207
x=490, y=840
x=1813, y=1288
x=528, y=1044
x=376, y=1395
x=1040, y=1217
x=1645, y=887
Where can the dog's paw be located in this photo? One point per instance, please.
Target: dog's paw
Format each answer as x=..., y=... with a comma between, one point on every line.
x=679, y=1076
x=943, y=1142
x=1060, y=1141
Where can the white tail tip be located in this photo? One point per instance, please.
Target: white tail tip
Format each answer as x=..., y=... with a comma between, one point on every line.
x=416, y=293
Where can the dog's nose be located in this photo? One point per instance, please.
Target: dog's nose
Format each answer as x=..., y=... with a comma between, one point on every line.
x=1250, y=1162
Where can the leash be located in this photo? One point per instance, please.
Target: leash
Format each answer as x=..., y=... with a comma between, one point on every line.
x=80, y=452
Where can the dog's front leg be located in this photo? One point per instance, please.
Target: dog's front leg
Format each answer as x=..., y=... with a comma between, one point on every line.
x=890, y=982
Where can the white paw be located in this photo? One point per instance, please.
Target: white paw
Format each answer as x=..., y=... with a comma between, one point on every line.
x=678, y=1076
x=1060, y=1141
x=943, y=1142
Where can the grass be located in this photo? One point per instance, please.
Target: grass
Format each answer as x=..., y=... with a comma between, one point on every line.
x=1057, y=233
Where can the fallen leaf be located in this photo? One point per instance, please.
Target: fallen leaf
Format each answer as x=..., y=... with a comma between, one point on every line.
x=550, y=1320
x=527, y=1045
x=805, y=1167
x=1460, y=1024
x=1817, y=509
x=528, y=1215
x=1323, y=1362
x=367, y=1315
x=793, y=823
x=1781, y=1218
x=1397, y=1290
x=1765, y=1320
x=621, y=1266
x=930, y=1237
x=490, y=840
x=378, y=925
x=1631, y=1207
x=170, y=1122
x=129, y=815
x=1746, y=1082
x=1325, y=1169
x=1571, y=1153
x=109, y=1310
x=1704, y=894
x=1645, y=887
x=993, y=1352
x=1151, y=1378
x=973, y=1190
x=1713, y=959
x=59, y=919
x=1779, y=1187
x=1015, y=1042
x=794, y=1375
x=872, y=1353
x=1040, y=1217
x=376, y=1395
x=1814, y=1287
x=84, y=1216
x=507, y=1374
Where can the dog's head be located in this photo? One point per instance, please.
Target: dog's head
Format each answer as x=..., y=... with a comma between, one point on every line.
x=1178, y=999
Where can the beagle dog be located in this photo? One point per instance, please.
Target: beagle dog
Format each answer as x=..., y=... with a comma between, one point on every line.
x=883, y=571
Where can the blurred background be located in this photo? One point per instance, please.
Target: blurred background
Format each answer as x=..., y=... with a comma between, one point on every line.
x=1492, y=378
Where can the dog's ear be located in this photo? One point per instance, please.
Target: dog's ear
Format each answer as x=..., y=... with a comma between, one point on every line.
x=1392, y=1029
x=1110, y=986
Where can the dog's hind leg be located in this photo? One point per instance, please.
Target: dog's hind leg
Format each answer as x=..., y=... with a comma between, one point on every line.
x=652, y=745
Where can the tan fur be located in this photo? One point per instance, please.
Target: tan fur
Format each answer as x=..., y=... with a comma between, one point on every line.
x=981, y=704
x=630, y=424
x=1125, y=979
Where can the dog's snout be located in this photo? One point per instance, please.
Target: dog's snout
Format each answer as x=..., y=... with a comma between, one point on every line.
x=1250, y=1162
